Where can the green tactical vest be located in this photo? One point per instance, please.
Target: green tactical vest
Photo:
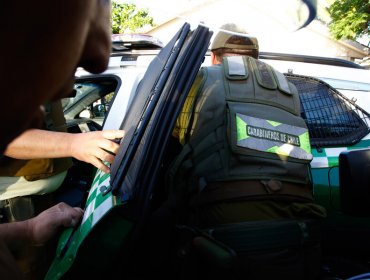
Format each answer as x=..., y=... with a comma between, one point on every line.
x=245, y=125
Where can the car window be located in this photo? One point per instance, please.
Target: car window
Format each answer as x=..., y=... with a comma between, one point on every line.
x=332, y=119
x=92, y=99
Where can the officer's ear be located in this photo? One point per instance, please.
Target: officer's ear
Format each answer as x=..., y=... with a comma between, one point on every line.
x=214, y=59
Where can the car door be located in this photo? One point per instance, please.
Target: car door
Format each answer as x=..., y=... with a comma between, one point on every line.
x=90, y=249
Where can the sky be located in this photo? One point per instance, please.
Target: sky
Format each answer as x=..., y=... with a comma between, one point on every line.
x=161, y=9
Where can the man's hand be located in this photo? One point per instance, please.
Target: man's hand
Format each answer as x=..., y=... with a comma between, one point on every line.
x=95, y=147
x=92, y=147
x=49, y=222
x=19, y=238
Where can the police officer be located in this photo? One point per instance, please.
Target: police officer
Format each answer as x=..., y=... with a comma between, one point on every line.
x=245, y=164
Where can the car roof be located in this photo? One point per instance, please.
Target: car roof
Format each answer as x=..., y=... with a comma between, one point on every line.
x=127, y=42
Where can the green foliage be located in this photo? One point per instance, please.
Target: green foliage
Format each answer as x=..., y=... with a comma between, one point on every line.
x=350, y=18
x=127, y=18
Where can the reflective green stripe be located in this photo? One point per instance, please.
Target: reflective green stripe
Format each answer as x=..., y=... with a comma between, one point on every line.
x=273, y=123
x=240, y=128
x=305, y=142
x=273, y=150
x=279, y=151
x=273, y=137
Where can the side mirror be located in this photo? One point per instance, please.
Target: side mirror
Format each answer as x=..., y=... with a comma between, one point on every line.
x=354, y=182
x=99, y=110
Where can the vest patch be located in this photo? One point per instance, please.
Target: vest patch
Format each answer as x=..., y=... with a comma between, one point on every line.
x=273, y=137
x=264, y=74
x=268, y=134
x=236, y=69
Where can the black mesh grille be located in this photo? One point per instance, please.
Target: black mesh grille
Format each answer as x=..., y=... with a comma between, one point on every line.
x=332, y=118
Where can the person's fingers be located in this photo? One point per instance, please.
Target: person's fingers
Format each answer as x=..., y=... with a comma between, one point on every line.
x=109, y=146
x=49, y=222
x=99, y=164
x=97, y=148
x=76, y=216
x=79, y=210
x=66, y=215
x=113, y=134
x=104, y=156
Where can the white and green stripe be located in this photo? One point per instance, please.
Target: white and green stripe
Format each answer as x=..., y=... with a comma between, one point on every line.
x=97, y=204
x=329, y=157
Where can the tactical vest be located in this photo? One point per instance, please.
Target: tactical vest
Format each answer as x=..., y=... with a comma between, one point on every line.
x=36, y=169
x=245, y=125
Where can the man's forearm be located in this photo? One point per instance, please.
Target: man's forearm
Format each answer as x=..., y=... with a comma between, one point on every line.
x=36, y=143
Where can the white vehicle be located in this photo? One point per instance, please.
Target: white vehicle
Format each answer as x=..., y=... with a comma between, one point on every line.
x=335, y=97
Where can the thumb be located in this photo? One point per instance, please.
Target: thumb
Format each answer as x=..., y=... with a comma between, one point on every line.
x=73, y=217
